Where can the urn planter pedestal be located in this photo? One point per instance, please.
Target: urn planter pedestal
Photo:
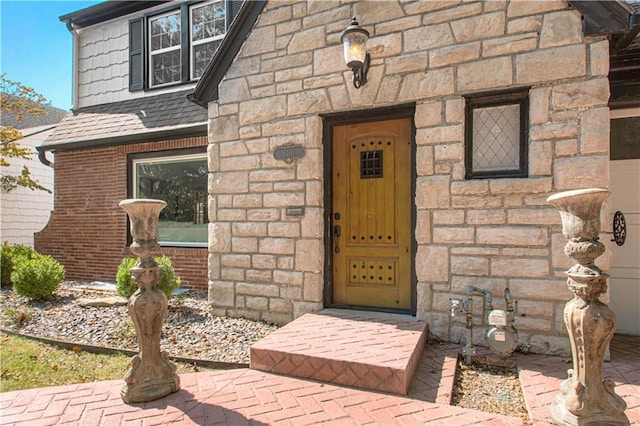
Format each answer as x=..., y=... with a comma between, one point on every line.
x=586, y=399
x=152, y=375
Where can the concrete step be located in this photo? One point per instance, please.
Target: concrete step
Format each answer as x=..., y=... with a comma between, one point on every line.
x=368, y=350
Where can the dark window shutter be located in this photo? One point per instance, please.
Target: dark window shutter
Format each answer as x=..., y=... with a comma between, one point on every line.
x=136, y=54
x=233, y=8
x=185, y=54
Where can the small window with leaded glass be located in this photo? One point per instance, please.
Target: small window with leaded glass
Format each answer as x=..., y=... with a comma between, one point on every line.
x=496, y=135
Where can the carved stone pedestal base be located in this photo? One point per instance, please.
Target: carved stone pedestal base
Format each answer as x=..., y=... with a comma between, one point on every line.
x=561, y=416
x=152, y=375
x=586, y=399
x=149, y=389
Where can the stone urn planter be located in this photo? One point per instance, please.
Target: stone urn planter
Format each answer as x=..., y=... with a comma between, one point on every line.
x=586, y=399
x=152, y=375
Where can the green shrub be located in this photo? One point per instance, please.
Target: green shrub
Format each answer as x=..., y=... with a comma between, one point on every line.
x=125, y=286
x=7, y=256
x=37, y=277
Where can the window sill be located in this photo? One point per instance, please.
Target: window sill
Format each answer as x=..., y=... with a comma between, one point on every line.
x=497, y=175
x=169, y=86
x=184, y=245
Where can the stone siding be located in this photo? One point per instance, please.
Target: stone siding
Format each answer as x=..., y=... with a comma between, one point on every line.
x=89, y=185
x=490, y=233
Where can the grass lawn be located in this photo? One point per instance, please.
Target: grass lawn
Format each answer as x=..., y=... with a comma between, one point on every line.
x=27, y=364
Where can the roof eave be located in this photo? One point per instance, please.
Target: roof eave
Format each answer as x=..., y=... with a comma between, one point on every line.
x=106, y=11
x=199, y=129
x=207, y=88
x=605, y=17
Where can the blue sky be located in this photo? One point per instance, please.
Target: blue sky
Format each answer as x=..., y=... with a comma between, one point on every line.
x=36, y=48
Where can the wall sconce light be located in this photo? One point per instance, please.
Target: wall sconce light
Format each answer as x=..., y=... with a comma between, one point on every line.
x=354, y=39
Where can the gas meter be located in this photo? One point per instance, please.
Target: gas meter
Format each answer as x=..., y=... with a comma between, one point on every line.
x=501, y=336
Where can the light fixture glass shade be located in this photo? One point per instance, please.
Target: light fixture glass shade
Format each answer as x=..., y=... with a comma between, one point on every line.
x=354, y=39
x=355, y=49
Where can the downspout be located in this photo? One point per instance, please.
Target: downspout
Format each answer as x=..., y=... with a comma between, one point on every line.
x=74, y=71
x=42, y=156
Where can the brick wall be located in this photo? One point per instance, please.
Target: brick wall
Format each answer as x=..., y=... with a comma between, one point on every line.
x=87, y=231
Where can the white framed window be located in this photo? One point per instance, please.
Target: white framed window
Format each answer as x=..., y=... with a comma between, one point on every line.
x=208, y=25
x=180, y=181
x=175, y=45
x=164, y=49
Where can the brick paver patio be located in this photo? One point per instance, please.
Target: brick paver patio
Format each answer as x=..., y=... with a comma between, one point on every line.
x=246, y=396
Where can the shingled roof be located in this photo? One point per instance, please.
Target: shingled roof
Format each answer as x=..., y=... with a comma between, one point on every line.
x=51, y=115
x=134, y=120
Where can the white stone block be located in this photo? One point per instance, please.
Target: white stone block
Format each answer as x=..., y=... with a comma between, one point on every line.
x=550, y=345
x=568, y=62
x=260, y=40
x=406, y=63
x=453, y=235
x=527, y=7
x=427, y=37
x=435, y=82
x=244, y=244
x=276, y=246
x=533, y=216
x=262, y=110
x=433, y=192
x=221, y=294
x=478, y=27
x=509, y=45
x=309, y=255
x=301, y=308
x=454, y=54
x=485, y=74
x=581, y=172
x=594, y=131
x=561, y=29
x=310, y=39
x=520, y=267
x=466, y=265
x=512, y=235
x=581, y=95
x=486, y=217
x=599, y=58
x=540, y=289
x=432, y=263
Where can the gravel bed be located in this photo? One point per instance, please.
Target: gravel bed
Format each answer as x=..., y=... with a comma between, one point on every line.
x=490, y=389
x=188, y=331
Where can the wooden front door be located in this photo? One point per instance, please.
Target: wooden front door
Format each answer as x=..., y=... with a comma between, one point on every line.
x=371, y=219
